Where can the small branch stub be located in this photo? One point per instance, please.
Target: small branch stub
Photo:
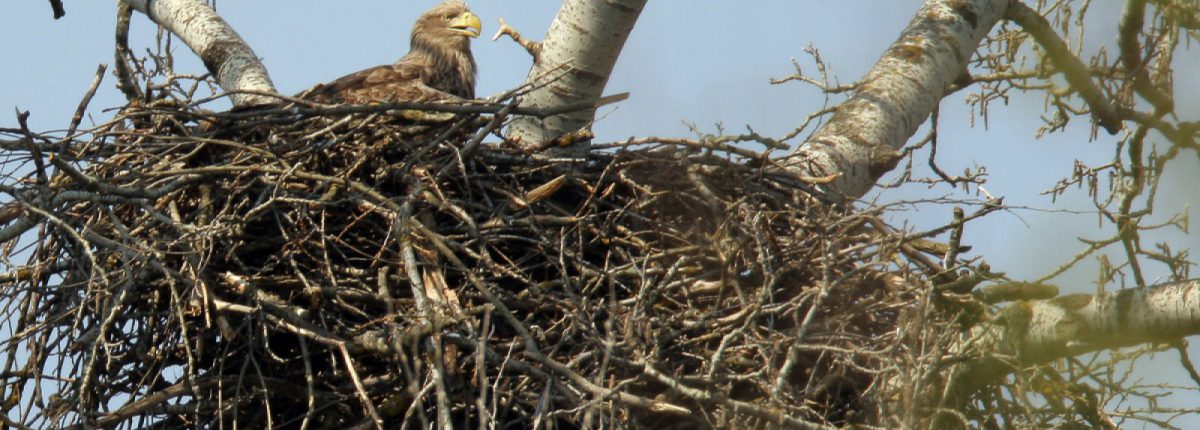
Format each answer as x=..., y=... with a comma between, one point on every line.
x=533, y=47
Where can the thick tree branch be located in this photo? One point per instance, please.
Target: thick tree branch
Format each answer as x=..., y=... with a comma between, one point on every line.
x=1036, y=332
x=861, y=141
x=222, y=50
x=1080, y=323
x=574, y=64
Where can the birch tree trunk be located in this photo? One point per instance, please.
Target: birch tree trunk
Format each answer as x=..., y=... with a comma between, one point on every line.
x=861, y=141
x=1044, y=330
x=1036, y=332
x=577, y=57
x=224, y=53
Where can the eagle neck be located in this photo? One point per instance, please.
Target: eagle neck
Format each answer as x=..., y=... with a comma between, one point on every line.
x=452, y=70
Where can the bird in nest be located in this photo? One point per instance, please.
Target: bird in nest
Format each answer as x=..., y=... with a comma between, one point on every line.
x=439, y=66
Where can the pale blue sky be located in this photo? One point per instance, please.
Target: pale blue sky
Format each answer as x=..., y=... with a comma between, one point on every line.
x=700, y=61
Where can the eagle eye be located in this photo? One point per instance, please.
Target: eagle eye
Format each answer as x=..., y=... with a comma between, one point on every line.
x=447, y=17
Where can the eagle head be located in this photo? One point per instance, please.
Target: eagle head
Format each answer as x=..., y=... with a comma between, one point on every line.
x=448, y=24
x=441, y=42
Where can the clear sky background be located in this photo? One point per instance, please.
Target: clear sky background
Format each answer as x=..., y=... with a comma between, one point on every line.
x=697, y=61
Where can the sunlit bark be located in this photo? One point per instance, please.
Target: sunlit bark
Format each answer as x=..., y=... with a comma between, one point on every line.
x=861, y=142
x=574, y=65
x=228, y=57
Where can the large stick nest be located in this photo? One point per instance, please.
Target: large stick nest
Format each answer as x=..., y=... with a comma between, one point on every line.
x=289, y=268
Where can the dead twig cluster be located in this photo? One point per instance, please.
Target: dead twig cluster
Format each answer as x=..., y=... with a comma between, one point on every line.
x=308, y=266
x=302, y=268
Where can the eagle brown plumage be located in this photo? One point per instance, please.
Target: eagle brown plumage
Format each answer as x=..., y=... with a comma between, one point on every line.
x=438, y=67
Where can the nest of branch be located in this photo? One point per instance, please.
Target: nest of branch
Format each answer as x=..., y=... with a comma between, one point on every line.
x=325, y=269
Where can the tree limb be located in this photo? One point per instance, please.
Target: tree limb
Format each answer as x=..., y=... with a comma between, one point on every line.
x=585, y=37
x=1039, y=331
x=228, y=57
x=1128, y=30
x=861, y=141
x=1075, y=72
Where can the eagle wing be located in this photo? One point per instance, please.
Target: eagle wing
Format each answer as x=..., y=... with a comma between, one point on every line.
x=438, y=67
x=400, y=82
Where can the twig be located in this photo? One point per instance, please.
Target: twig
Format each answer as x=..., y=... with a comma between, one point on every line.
x=534, y=48
x=712, y=144
x=122, y=55
x=34, y=152
x=949, y=260
x=1132, y=20
x=772, y=416
x=1013, y=291
x=358, y=385
x=933, y=148
x=309, y=384
x=474, y=107
x=83, y=104
x=473, y=144
x=1075, y=72
x=481, y=370
x=1185, y=360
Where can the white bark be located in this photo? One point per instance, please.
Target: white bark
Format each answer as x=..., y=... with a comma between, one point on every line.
x=577, y=57
x=860, y=142
x=1036, y=332
x=222, y=50
x=1044, y=330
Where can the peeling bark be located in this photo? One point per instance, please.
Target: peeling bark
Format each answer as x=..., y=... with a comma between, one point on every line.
x=224, y=53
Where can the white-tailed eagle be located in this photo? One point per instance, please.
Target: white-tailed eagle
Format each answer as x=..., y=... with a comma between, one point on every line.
x=438, y=67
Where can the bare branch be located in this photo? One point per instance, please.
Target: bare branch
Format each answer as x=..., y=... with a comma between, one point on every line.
x=534, y=48
x=1072, y=68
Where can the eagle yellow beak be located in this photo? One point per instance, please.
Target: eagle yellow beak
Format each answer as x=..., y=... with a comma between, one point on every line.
x=466, y=24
